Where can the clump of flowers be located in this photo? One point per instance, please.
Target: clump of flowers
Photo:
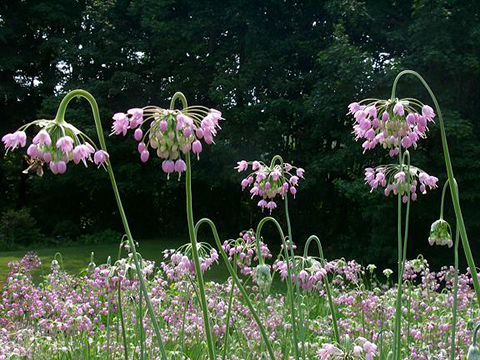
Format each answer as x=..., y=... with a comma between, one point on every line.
x=395, y=179
x=179, y=263
x=57, y=143
x=243, y=251
x=310, y=275
x=363, y=349
x=440, y=233
x=268, y=182
x=170, y=133
x=391, y=124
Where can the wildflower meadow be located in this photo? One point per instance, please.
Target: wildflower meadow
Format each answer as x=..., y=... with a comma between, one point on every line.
x=284, y=295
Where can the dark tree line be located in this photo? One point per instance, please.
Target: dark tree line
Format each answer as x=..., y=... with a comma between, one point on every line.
x=282, y=72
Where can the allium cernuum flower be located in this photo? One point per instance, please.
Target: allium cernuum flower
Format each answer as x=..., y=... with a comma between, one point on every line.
x=473, y=353
x=57, y=144
x=263, y=277
x=170, y=133
x=394, y=179
x=440, y=233
x=269, y=181
x=391, y=124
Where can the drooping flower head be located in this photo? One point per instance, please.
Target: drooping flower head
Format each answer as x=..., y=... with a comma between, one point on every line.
x=310, y=275
x=267, y=182
x=242, y=252
x=181, y=263
x=57, y=143
x=391, y=124
x=394, y=179
x=170, y=133
x=330, y=352
x=440, y=233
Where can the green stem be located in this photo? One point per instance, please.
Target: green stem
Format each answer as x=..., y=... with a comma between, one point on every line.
x=61, y=259
x=326, y=284
x=398, y=306
x=229, y=311
x=98, y=125
x=409, y=308
x=237, y=280
x=109, y=313
x=140, y=326
x=297, y=283
x=120, y=313
x=290, y=249
x=453, y=190
x=475, y=335
x=193, y=241
x=442, y=202
x=455, y=295
x=182, y=334
x=290, y=291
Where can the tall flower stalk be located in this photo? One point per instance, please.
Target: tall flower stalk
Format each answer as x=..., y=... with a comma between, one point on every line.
x=401, y=124
x=237, y=281
x=173, y=134
x=193, y=240
x=67, y=135
x=268, y=182
x=396, y=125
x=451, y=178
x=326, y=283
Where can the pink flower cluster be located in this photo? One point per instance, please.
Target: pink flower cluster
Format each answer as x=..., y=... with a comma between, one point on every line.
x=56, y=144
x=365, y=350
x=309, y=277
x=179, y=264
x=269, y=181
x=170, y=133
x=394, y=179
x=392, y=124
x=243, y=251
x=38, y=319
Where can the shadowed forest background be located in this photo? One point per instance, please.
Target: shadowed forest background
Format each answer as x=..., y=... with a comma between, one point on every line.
x=282, y=73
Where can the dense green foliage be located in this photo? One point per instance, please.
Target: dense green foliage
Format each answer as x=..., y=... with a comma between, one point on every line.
x=282, y=72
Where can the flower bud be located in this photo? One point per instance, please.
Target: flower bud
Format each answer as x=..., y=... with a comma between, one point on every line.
x=440, y=233
x=263, y=277
x=138, y=134
x=473, y=353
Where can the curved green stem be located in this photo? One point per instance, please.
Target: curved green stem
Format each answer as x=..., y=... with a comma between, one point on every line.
x=237, y=280
x=193, y=241
x=61, y=259
x=290, y=290
x=442, y=201
x=98, y=125
x=453, y=190
x=326, y=283
x=475, y=335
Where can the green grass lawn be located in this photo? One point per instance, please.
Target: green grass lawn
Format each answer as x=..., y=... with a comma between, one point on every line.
x=77, y=258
